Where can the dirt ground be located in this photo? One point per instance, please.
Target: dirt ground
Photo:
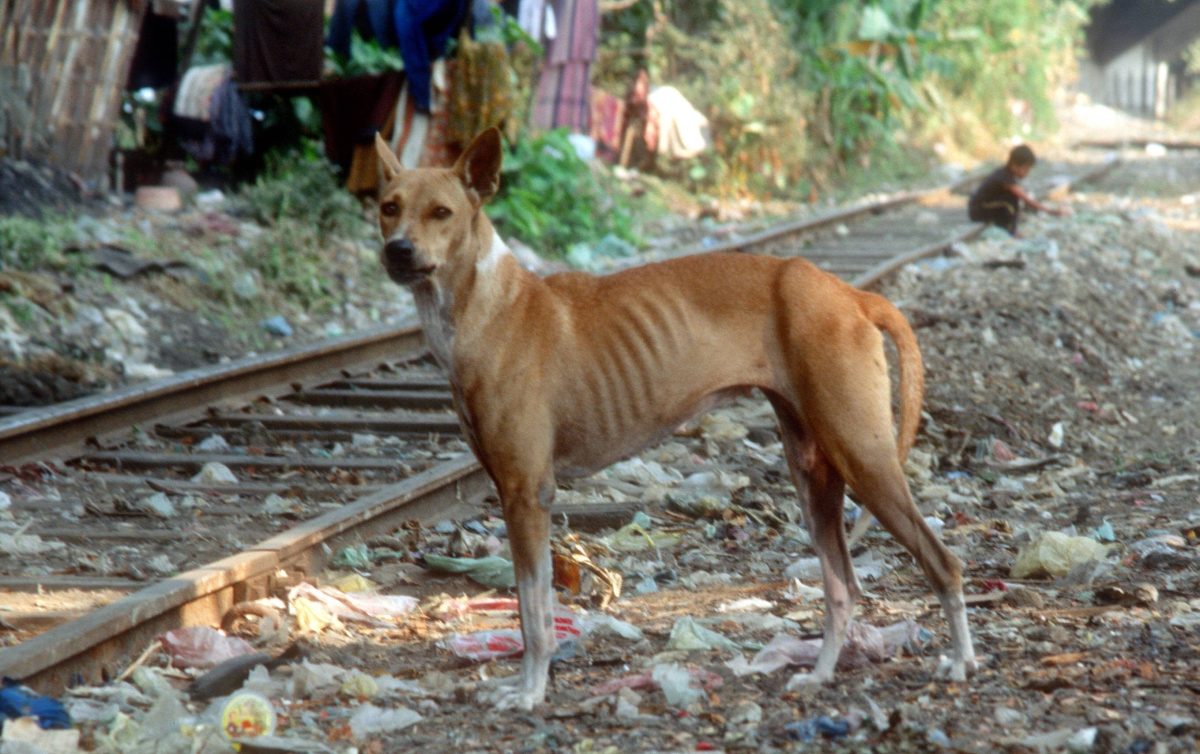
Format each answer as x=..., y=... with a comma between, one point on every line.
x=1061, y=374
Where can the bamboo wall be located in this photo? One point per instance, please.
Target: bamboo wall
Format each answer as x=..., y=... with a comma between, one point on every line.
x=63, y=65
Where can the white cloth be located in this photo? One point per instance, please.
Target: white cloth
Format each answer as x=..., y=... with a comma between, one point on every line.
x=682, y=129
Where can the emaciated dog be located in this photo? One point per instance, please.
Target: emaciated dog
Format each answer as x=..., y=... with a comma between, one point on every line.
x=558, y=377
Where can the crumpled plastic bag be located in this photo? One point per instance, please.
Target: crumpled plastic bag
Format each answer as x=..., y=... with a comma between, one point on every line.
x=18, y=701
x=493, y=571
x=688, y=635
x=633, y=537
x=202, y=647
x=707, y=679
x=864, y=644
x=360, y=607
x=1055, y=554
x=370, y=720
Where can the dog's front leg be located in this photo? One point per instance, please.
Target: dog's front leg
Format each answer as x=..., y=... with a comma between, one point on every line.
x=527, y=517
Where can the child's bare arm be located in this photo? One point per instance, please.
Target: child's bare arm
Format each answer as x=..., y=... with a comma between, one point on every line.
x=1024, y=196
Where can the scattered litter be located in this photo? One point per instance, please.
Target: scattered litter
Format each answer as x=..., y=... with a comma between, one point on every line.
x=215, y=473
x=823, y=726
x=493, y=571
x=864, y=643
x=202, y=646
x=482, y=646
x=633, y=537
x=645, y=679
x=369, y=720
x=247, y=714
x=676, y=684
x=17, y=701
x=368, y=608
x=26, y=736
x=688, y=635
x=158, y=504
x=1055, y=554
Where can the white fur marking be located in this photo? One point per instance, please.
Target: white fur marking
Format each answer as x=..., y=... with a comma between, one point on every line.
x=498, y=251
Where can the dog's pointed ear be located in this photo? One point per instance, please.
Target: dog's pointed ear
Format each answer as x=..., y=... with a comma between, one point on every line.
x=479, y=166
x=391, y=165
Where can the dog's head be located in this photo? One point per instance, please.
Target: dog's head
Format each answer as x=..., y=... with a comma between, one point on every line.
x=427, y=215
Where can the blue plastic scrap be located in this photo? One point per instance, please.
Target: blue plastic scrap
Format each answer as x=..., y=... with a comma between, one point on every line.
x=808, y=730
x=18, y=701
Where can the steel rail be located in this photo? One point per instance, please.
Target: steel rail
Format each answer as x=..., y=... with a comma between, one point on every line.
x=98, y=646
x=53, y=431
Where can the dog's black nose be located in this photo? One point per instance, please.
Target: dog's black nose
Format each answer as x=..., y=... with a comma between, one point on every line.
x=398, y=253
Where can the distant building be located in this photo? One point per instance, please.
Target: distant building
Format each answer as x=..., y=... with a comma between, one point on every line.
x=1136, y=54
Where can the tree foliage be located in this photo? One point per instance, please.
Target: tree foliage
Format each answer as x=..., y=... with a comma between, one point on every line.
x=800, y=91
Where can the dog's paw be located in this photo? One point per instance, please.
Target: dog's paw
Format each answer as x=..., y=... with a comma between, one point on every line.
x=515, y=698
x=511, y=694
x=806, y=682
x=954, y=670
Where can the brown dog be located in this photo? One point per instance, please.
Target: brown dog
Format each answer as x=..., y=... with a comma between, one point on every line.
x=559, y=377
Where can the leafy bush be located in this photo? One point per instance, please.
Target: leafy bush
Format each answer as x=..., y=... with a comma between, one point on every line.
x=367, y=57
x=999, y=61
x=296, y=187
x=550, y=199
x=214, y=42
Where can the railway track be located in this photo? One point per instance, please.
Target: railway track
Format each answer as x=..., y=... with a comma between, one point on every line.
x=165, y=505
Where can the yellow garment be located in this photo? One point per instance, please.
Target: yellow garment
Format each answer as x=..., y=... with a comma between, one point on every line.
x=480, y=89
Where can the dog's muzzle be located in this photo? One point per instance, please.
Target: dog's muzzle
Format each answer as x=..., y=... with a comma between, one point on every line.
x=400, y=262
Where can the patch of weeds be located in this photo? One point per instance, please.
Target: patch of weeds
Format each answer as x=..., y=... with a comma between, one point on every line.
x=27, y=244
x=288, y=257
x=20, y=309
x=551, y=199
x=296, y=188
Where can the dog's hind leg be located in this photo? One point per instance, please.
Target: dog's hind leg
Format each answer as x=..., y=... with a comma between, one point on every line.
x=821, y=491
x=885, y=493
x=868, y=462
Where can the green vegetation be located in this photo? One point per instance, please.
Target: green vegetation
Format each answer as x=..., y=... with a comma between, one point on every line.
x=366, y=58
x=808, y=95
x=551, y=199
x=294, y=186
x=28, y=244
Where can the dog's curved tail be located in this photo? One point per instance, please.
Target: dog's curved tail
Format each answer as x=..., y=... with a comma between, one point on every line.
x=884, y=315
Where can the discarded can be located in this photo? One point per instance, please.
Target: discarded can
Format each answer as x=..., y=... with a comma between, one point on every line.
x=247, y=714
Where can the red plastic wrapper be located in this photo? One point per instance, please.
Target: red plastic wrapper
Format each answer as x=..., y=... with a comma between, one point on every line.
x=482, y=646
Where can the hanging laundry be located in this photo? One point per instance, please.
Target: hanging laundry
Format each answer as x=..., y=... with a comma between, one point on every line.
x=536, y=19
x=564, y=88
x=353, y=110
x=420, y=28
x=682, y=129
x=423, y=27
x=608, y=115
x=278, y=40
x=212, y=120
x=479, y=90
x=154, y=58
x=372, y=19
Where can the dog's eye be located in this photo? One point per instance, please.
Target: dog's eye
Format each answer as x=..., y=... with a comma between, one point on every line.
x=389, y=209
x=441, y=213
